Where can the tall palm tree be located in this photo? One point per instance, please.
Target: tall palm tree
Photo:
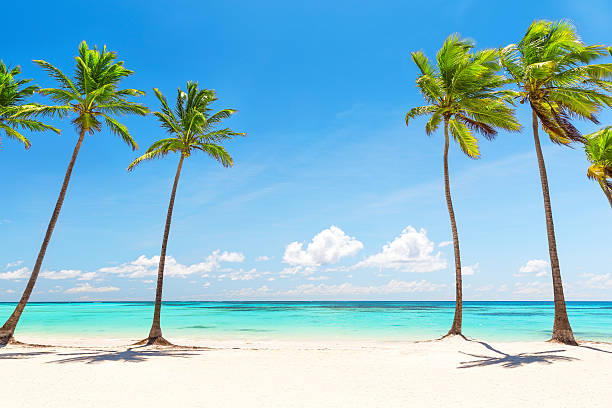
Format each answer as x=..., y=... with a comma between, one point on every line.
x=92, y=96
x=599, y=153
x=13, y=93
x=463, y=92
x=552, y=69
x=192, y=128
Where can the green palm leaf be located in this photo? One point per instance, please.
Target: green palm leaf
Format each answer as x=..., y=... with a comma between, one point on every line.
x=13, y=110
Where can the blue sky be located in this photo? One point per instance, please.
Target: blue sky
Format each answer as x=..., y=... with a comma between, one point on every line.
x=328, y=176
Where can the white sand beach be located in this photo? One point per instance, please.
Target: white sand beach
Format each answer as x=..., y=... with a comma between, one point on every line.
x=448, y=373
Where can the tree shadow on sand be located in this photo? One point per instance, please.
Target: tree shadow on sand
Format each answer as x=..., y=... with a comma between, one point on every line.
x=21, y=355
x=131, y=355
x=513, y=360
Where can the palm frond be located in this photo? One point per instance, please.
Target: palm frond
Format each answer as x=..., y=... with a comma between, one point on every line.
x=462, y=135
x=13, y=134
x=120, y=130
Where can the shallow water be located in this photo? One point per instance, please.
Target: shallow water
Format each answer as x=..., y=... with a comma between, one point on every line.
x=500, y=321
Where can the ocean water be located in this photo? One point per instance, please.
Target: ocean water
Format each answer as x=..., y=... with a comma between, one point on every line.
x=497, y=321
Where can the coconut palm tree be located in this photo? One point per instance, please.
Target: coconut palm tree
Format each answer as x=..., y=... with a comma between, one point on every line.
x=552, y=69
x=191, y=127
x=91, y=97
x=13, y=92
x=462, y=92
x=599, y=153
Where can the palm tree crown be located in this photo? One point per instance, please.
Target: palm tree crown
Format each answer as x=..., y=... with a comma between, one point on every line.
x=463, y=90
x=192, y=126
x=93, y=94
x=599, y=153
x=552, y=68
x=13, y=93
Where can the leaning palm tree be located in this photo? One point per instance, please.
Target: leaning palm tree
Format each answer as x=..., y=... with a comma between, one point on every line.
x=13, y=93
x=552, y=69
x=192, y=128
x=462, y=92
x=92, y=97
x=599, y=153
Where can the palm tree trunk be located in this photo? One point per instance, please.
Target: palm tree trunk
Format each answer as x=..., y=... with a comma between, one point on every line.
x=562, y=331
x=456, y=327
x=155, y=335
x=606, y=192
x=8, y=329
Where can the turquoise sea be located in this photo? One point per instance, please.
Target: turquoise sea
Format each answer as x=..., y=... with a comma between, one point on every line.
x=500, y=321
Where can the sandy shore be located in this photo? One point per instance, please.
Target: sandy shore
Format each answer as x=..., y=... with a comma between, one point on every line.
x=447, y=373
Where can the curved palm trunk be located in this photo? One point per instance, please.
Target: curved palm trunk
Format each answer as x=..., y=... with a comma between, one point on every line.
x=456, y=327
x=562, y=331
x=606, y=192
x=8, y=329
x=155, y=334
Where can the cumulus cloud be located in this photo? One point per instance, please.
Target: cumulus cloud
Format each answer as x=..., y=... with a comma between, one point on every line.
x=20, y=273
x=263, y=258
x=328, y=246
x=444, y=243
x=87, y=288
x=13, y=264
x=469, y=270
x=538, y=267
x=412, y=251
x=143, y=266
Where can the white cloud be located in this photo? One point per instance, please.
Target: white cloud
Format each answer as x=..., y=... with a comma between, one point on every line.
x=56, y=289
x=240, y=274
x=206, y=284
x=13, y=264
x=250, y=292
x=328, y=246
x=469, y=270
x=485, y=288
x=9, y=291
x=20, y=273
x=531, y=288
x=63, y=274
x=88, y=276
x=412, y=251
x=503, y=288
x=344, y=289
x=143, y=266
x=596, y=281
x=297, y=270
x=87, y=288
x=444, y=243
x=263, y=258
x=317, y=278
x=539, y=267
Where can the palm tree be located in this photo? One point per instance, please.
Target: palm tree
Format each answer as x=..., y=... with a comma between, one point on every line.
x=191, y=127
x=91, y=96
x=13, y=92
x=463, y=93
x=551, y=68
x=599, y=153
